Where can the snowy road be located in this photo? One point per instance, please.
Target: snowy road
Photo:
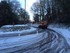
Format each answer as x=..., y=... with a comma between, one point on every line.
x=53, y=43
x=48, y=41
x=59, y=44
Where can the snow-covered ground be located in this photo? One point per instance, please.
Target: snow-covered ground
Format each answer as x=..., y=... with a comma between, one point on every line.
x=9, y=42
x=16, y=33
x=38, y=42
x=64, y=31
x=9, y=30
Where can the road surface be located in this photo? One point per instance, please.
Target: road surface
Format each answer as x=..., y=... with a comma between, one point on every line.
x=54, y=43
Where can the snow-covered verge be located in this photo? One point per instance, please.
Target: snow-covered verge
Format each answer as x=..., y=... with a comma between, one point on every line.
x=16, y=33
x=64, y=31
x=10, y=26
x=9, y=30
x=10, y=44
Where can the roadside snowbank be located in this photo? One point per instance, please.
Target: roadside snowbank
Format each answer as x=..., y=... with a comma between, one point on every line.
x=16, y=33
x=65, y=32
x=5, y=31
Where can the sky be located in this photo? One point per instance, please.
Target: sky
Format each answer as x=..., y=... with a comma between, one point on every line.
x=28, y=6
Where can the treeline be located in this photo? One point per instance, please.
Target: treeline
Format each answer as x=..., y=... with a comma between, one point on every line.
x=12, y=13
x=53, y=11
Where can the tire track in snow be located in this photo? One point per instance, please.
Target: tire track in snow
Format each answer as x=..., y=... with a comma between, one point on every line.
x=54, y=43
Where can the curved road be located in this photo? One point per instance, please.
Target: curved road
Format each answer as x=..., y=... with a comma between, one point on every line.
x=53, y=43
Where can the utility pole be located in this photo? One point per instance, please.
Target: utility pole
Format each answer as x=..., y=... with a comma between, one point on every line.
x=25, y=4
x=40, y=11
x=25, y=9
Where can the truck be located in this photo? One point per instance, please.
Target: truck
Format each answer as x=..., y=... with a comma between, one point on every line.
x=43, y=25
